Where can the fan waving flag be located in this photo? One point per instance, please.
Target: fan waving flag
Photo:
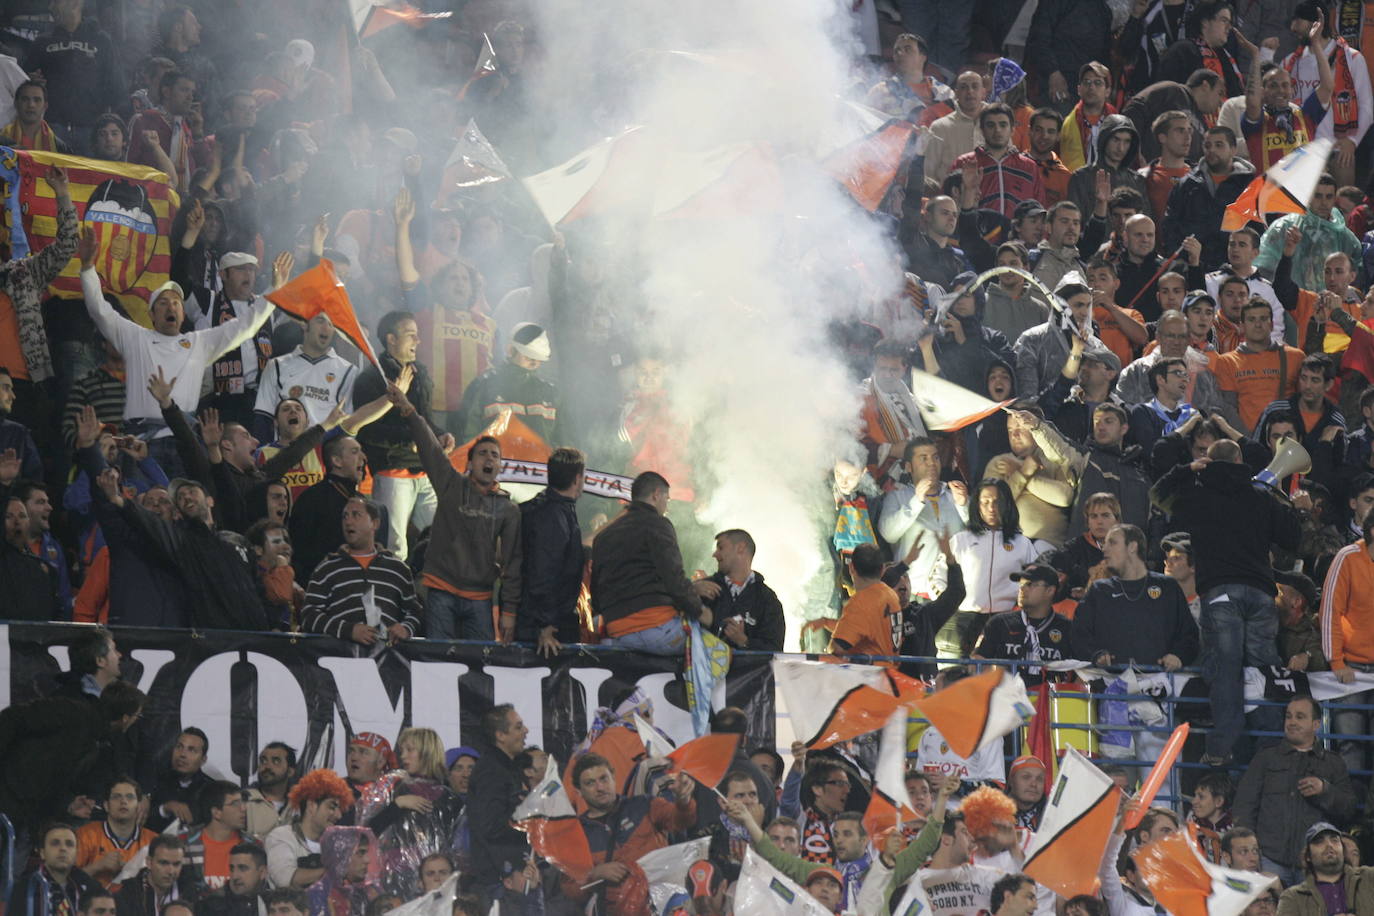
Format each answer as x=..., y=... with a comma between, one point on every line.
x=764, y=891
x=1074, y=830
x=1286, y=187
x=318, y=291
x=473, y=162
x=947, y=406
x=370, y=19
x=889, y=804
x=1039, y=737
x=554, y=830
x=830, y=703
x=978, y=710
x=1186, y=884
x=129, y=207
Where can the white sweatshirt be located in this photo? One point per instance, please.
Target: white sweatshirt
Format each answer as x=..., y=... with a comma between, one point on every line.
x=988, y=561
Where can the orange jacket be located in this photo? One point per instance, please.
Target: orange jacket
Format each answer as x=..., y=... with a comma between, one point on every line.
x=1347, y=616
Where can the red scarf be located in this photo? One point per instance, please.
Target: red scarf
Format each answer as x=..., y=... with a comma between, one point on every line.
x=41, y=139
x=1220, y=63
x=1345, y=107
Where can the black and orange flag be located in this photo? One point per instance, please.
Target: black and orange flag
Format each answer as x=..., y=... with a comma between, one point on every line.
x=706, y=759
x=868, y=166
x=319, y=291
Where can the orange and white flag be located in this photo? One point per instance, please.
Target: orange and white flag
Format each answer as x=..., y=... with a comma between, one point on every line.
x=1186, y=884
x=554, y=830
x=706, y=759
x=978, y=710
x=868, y=166
x=1285, y=187
x=318, y=291
x=830, y=703
x=1079, y=814
x=889, y=804
x=947, y=406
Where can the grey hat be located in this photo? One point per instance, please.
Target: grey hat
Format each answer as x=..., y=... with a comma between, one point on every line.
x=1319, y=828
x=1106, y=357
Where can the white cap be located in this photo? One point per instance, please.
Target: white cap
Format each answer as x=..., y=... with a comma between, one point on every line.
x=169, y=285
x=300, y=52
x=530, y=341
x=236, y=259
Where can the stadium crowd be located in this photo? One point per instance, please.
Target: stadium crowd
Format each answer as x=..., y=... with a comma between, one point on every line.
x=217, y=464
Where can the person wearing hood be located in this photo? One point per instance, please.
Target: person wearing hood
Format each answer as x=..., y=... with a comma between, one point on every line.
x=1210, y=29
x=351, y=872
x=1118, y=150
x=1199, y=200
x=1043, y=351
x=1103, y=464
x=1232, y=524
x=1322, y=234
x=964, y=347
x=1012, y=306
x=515, y=385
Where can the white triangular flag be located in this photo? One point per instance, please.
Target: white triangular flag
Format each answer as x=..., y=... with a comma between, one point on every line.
x=473, y=161
x=947, y=406
x=656, y=743
x=438, y=902
x=1299, y=171
x=762, y=890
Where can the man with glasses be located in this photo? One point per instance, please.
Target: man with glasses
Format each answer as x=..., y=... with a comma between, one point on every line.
x=1173, y=335
x=1078, y=134
x=829, y=792
x=1168, y=409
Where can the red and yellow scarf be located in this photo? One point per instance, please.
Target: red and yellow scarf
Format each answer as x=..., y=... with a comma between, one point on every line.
x=1345, y=107
x=41, y=139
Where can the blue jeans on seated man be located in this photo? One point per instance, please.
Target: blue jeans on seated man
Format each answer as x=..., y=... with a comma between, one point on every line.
x=1239, y=626
x=668, y=638
x=450, y=616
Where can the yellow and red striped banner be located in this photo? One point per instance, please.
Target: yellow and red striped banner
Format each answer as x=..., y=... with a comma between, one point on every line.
x=130, y=207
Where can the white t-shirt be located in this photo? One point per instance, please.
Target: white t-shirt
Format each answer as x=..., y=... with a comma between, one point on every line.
x=962, y=891
x=934, y=756
x=319, y=384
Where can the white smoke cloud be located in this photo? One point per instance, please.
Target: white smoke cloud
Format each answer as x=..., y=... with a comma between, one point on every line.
x=739, y=304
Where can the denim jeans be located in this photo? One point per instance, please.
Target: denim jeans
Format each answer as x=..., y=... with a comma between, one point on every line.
x=450, y=616
x=1353, y=722
x=665, y=639
x=406, y=499
x=1239, y=626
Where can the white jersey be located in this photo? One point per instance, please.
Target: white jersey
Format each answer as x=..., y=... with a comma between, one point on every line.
x=1303, y=66
x=183, y=358
x=319, y=384
x=934, y=756
x=962, y=891
x=1045, y=899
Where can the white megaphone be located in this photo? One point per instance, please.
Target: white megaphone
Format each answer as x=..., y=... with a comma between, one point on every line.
x=1289, y=458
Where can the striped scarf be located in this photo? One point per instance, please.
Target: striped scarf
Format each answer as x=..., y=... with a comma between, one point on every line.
x=41, y=139
x=1345, y=106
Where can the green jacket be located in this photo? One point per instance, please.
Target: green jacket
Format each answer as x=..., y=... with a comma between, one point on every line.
x=1305, y=900
x=1320, y=237
x=875, y=895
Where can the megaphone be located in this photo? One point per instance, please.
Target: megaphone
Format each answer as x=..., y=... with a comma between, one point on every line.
x=1289, y=458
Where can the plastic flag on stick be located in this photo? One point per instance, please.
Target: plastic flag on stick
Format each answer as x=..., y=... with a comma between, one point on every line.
x=1077, y=823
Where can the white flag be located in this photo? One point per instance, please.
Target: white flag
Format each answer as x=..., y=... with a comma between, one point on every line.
x=559, y=191
x=473, y=161
x=815, y=692
x=764, y=891
x=656, y=743
x=548, y=798
x=1298, y=172
x=1074, y=830
x=438, y=902
x=889, y=775
x=947, y=406
x=669, y=865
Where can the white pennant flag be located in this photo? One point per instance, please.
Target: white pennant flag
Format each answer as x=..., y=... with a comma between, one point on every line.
x=561, y=191
x=762, y=890
x=1299, y=171
x=669, y=865
x=889, y=776
x=473, y=161
x=656, y=743
x=438, y=902
x=815, y=692
x=1075, y=828
x=947, y=406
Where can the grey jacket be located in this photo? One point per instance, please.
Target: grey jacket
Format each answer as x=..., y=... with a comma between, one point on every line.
x=1133, y=386
x=1268, y=801
x=1013, y=317
x=1041, y=353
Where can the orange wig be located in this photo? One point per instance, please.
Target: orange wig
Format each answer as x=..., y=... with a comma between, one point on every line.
x=984, y=808
x=318, y=785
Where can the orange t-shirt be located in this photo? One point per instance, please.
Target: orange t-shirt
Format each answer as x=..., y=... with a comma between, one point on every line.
x=1310, y=420
x=1158, y=185
x=93, y=840
x=1110, y=333
x=1254, y=377
x=1336, y=340
x=870, y=622
x=216, y=867
x=11, y=353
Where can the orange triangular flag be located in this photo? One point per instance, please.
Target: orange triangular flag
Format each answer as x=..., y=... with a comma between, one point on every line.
x=554, y=829
x=518, y=442
x=868, y=166
x=977, y=710
x=706, y=759
x=319, y=291
x=1174, y=873
x=621, y=747
x=1245, y=209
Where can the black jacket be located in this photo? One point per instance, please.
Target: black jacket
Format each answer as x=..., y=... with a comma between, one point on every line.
x=29, y=896
x=1065, y=35
x=146, y=589
x=216, y=569
x=1083, y=181
x=387, y=442
x=1268, y=801
x=967, y=364
x=317, y=524
x=224, y=902
x=1232, y=520
x=497, y=788
x=636, y=564
x=551, y=571
x=1141, y=620
x=83, y=75
x=1194, y=209
x=169, y=789
x=1151, y=102
x=29, y=584
x=530, y=397
x=934, y=264
x=921, y=620
x=1136, y=277
x=54, y=749
x=137, y=897
x=764, y=623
